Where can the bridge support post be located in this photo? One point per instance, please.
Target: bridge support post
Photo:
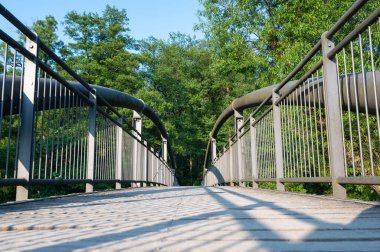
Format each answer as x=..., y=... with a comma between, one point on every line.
x=146, y=162
x=137, y=126
x=239, y=120
x=277, y=142
x=231, y=164
x=213, y=149
x=213, y=156
x=119, y=154
x=25, y=157
x=334, y=119
x=165, y=157
x=91, y=136
x=255, y=185
x=151, y=170
x=165, y=149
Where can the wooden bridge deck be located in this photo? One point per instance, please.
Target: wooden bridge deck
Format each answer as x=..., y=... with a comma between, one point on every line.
x=190, y=218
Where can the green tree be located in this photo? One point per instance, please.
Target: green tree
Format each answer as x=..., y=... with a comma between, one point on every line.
x=180, y=86
x=101, y=46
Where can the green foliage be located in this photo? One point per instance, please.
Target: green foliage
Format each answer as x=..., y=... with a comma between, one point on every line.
x=311, y=188
x=104, y=186
x=362, y=192
x=43, y=191
x=267, y=185
x=7, y=193
x=100, y=49
x=47, y=32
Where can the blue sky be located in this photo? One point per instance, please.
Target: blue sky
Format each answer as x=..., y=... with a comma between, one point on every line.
x=147, y=17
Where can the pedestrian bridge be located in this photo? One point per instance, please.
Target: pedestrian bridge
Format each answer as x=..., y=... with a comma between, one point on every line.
x=320, y=125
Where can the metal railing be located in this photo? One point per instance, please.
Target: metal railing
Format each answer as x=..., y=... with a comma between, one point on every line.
x=324, y=127
x=53, y=131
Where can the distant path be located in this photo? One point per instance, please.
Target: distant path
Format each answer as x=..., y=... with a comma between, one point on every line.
x=190, y=218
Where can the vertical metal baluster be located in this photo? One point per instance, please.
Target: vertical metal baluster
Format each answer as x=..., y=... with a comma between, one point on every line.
x=340, y=98
x=303, y=132
x=261, y=146
x=267, y=147
x=310, y=127
x=316, y=83
x=103, y=151
x=284, y=140
x=100, y=151
x=72, y=122
x=10, y=114
x=113, y=158
x=81, y=138
x=72, y=136
x=321, y=127
x=97, y=144
x=86, y=141
x=348, y=93
x=292, y=135
x=103, y=140
x=366, y=107
x=59, y=143
x=262, y=124
x=307, y=130
x=287, y=136
x=67, y=137
x=357, y=109
x=258, y=148
x=54, y=129
x=270, y=146
x=63, y=115
x=374, y=79
x=48, y=128
x=299, y=130
x=108, y=148
x=61, y=127
x=274, y=147
x=3, y=93
x=311, y=123
x=295, y=136
x=42, y=123
x=106, y=151
x=292, y=98
x=114, y=152
x=76, y=136
x=18, y=115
